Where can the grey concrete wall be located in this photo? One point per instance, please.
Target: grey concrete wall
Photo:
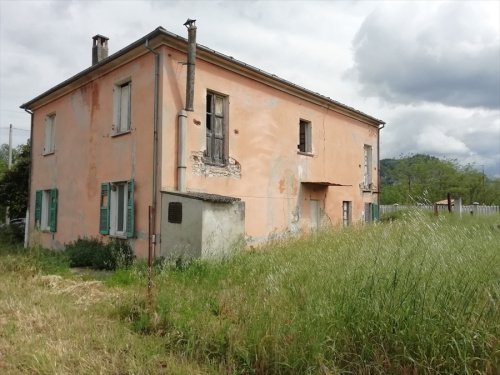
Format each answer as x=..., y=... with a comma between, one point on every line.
x=184, y=239
x=223, y=228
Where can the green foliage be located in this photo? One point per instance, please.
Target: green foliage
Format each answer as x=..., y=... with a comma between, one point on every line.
x=30, y=261
x=424, y=179
x=12, y=234
x=419, y=295
x=92, y=252
x=14, y=183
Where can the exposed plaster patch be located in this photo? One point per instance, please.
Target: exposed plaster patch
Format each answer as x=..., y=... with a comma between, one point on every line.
x=200, y=168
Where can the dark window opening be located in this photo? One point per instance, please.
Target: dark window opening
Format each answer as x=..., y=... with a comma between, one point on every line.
x=175, y=212
x=215, y=129
x=304, y=137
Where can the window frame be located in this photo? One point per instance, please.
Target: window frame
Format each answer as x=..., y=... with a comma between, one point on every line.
x=49, y=144
x=210, y=134
x=111, y=204
x=346, y=213
x=118, y=102
x=46, y=202
x=367, y=167
x=304, y=147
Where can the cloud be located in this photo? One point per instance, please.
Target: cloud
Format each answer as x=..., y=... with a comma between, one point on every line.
x=440, y=52
x=470, y=137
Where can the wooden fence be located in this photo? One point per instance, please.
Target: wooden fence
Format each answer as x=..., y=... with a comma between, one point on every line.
x=474, y=209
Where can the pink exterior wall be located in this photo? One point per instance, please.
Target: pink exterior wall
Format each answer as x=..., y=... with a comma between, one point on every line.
x=263, y=137
x=87, y=154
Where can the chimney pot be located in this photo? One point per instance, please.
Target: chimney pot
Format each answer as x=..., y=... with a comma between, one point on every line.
x=99, y=48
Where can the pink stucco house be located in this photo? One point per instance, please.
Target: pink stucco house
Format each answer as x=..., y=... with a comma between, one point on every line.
x=183, y=150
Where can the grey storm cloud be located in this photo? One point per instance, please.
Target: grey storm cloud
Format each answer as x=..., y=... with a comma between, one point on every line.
x=445, y=55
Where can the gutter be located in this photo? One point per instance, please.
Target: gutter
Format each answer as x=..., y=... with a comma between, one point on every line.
x=378, y=162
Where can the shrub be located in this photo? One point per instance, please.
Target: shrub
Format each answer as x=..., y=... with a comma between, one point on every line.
x=92, y=252
x=12, y=234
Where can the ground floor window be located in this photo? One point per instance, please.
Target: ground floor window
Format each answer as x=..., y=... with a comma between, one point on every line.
x=346, y=213
x=46, y=210
x=117, y=209
x=371, y=212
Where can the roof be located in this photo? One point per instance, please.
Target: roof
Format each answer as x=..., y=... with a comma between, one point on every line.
x=214, y=198
x=322, y=183
x=202, y=50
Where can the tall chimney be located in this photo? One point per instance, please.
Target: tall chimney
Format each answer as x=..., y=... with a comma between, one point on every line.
x=99, y=48
x=191, y=50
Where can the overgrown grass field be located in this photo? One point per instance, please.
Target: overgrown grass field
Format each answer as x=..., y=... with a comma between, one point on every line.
x=418, y=295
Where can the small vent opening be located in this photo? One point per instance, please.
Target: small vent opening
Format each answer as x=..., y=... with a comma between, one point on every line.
x=175, y=212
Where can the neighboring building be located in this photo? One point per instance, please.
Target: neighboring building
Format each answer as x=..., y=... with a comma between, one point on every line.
x=256, y=157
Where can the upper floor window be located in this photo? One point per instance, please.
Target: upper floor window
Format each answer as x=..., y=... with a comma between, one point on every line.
x=50, y=129
x=216, y=129
x=367, y=166
x=122, y=107
x=305, y=142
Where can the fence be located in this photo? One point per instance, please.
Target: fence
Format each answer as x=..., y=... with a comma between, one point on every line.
x=475, y=209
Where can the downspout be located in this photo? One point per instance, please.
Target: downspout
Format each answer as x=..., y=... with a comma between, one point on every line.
x=27, y=223
x=155, y=147
x=182, y=118
x=378, y=165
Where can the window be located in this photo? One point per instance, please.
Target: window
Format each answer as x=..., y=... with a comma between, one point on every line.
x=175, y=212
x=367, y=166
x=371, y=212
x=216, y=124
x=305, y=144
x=46, y=210
x=346, y=213
x=117, y=209
x=122, y=107
x=50, y=128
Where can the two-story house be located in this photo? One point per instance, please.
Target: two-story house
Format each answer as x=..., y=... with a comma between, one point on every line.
x=176, y=147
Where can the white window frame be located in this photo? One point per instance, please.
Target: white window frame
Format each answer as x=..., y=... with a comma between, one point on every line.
x=367, y=166
x=45, y=217
x=122, y=107
x=49, y=134
x=114, y=209
x=305, y=130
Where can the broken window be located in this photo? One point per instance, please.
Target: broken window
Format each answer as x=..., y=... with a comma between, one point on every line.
x=367, y=166
x=305, y=144
x=122, y=107
x=216, y=123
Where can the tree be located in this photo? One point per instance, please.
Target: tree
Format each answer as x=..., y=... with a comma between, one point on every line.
x=14, y=183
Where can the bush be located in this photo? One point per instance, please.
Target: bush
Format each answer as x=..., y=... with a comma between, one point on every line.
x=92, y=252
x=12, y=234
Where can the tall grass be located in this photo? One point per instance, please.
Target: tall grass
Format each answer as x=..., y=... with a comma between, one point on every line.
x=419, y=295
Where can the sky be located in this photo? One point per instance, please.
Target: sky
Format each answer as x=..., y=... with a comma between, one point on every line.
x=429, y=69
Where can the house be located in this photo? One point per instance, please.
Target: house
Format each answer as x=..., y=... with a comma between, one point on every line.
x=179, y=148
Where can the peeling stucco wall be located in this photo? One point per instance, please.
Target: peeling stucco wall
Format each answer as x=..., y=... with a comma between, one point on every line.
x=200, y=168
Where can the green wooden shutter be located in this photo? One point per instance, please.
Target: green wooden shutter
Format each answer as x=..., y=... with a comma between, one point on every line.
x=104, y=208
x=130, y=209
x=53, y=210
x=38, y=208
x=375, y=212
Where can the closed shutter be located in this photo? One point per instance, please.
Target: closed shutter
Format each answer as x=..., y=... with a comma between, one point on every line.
x=375, y=212
x=53, y=210
x=38, y=208
x=130, y=209
x=104, y=209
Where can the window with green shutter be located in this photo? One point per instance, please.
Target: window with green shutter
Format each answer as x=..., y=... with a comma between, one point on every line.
x=46, y=210
x=117, y=216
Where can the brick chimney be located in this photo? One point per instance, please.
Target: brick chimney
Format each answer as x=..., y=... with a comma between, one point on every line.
x=99, y=48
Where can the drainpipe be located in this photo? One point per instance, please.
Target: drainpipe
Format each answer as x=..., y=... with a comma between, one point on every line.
x=378, y=164
x=182, y=118
x=181, y=156
x=27, y=223
x=155, y=149
x=191, y=60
